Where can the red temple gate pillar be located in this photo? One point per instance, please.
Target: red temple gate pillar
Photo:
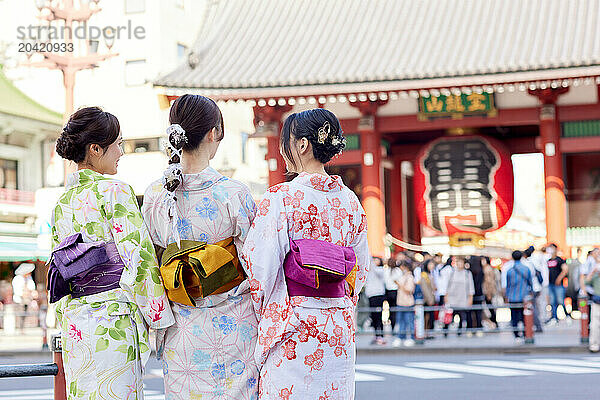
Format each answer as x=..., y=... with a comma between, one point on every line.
x=267, y=120
x=395, y=209
x=371, y=173
x=556, y=205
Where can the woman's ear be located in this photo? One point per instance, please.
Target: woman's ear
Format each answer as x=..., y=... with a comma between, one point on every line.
x=303, y=145
x=211, y=135
x=95, y=149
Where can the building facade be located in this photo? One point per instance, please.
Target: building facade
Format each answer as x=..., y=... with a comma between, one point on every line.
x=27, y=129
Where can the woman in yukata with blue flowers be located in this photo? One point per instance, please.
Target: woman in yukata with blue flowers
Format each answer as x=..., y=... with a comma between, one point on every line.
x=103, y=273
x=198, y=220
x=307, y=257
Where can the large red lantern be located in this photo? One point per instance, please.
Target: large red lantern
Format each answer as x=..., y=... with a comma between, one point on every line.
x=464, y=184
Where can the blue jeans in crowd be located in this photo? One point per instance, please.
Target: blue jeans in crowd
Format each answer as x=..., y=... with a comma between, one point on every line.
x=406, y=323
x=557, y=297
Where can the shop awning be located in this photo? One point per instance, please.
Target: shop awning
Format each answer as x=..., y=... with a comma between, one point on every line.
x=21, y=251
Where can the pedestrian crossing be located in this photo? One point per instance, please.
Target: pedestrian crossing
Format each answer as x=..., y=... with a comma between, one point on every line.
x=491, y=368
x=422, y=370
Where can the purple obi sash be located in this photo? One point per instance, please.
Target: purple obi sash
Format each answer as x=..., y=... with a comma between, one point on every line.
x=81, y=269
x=315, y=268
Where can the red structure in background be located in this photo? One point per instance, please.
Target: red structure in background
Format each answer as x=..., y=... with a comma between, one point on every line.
x=464, y=184
x=395, y=90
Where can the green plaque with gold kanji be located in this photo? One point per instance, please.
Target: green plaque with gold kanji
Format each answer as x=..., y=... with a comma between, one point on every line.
x=457, y=106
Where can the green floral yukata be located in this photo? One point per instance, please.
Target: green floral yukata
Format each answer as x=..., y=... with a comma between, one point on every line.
x=105, y=335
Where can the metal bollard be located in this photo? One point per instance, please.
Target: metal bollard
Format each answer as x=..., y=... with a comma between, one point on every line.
x=60, y=385
x=43, y=312
x=419, y=322
x=528, y=319
x=584, y=307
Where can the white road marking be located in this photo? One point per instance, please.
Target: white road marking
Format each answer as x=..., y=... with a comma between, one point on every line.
x=566, y=361
x=48, y=394
x=360, y=377
x=405, y=371
x=470, y=369
x=154, y=373
x=536, y=367
x=24, y=392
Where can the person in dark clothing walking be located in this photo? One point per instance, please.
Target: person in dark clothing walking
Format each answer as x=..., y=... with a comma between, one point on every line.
x=375, y=291
x=519, y=285
x=557, y=271
x=474, y=317
x=392, y=274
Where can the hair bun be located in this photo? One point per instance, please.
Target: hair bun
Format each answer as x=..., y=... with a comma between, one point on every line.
x=68, y=147
x=327, y=142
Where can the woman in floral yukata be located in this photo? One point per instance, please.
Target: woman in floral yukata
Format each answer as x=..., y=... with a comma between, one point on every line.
x=103, y=270
x=308, y=258
x=201, y=218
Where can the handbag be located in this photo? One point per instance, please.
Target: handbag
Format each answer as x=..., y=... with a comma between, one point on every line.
x=448, y=315
x=427, y=290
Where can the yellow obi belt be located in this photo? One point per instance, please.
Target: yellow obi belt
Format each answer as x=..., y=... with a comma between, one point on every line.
x=198, y=269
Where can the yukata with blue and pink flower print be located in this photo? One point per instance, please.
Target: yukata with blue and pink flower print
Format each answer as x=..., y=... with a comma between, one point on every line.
x=209, y=352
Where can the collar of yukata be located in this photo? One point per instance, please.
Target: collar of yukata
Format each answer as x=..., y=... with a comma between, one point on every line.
x=331, y=183
x=202, y=180
x=82, y=177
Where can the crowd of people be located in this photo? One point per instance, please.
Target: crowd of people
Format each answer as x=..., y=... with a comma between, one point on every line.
x=467, y=291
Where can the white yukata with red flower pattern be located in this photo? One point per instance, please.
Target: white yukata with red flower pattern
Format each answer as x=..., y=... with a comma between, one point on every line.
x=306, y=345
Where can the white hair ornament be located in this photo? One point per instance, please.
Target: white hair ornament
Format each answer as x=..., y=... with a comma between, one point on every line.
x=173, y=175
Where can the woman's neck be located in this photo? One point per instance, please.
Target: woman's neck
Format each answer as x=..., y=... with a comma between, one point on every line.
x=194, y=162
x=86, y=165
x=314, y=168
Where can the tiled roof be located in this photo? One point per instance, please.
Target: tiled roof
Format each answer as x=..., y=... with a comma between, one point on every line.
x=15, y=102
x=250, y=45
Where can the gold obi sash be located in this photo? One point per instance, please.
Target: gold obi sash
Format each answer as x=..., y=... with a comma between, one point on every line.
x=198, y=269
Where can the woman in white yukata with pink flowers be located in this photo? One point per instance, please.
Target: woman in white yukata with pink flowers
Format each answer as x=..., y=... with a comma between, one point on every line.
x=307, y=258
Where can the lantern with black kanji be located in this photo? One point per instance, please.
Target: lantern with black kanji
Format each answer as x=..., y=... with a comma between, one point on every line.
x=464, y=187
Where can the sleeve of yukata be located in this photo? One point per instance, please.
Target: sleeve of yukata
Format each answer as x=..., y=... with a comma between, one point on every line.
x=150, y=213
x=263, y=254
x=141, y=277
x=361, y=249
x=55, y=242
x=243, y=211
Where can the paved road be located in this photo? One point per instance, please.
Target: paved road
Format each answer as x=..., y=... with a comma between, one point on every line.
x=422, y=377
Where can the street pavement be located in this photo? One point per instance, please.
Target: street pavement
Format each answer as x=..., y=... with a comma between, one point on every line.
x=551, y=376
x=562, y=337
